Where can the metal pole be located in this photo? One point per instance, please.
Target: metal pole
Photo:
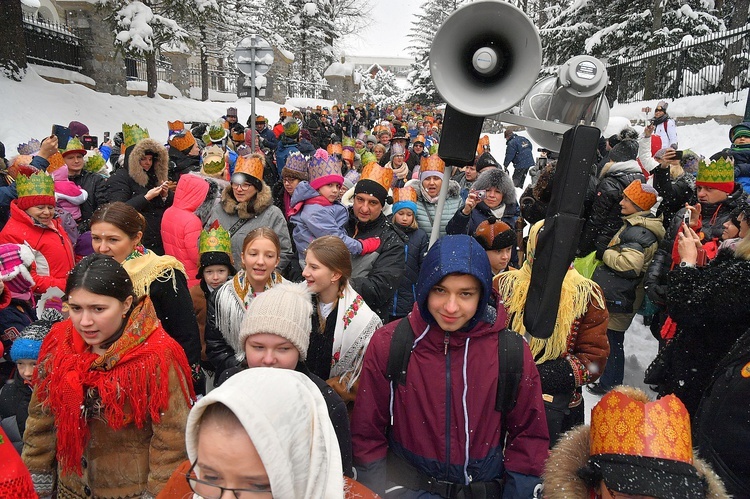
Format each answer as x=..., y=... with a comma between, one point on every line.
x=440, y=204
x=252, y=96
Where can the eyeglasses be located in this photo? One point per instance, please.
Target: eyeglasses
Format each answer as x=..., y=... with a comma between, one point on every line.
x=208, y=490
x=659, y=109
x=243, y=186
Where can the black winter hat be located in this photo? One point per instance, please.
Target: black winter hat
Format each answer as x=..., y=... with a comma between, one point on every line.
x=486, y=160
x=215, y=258
x=625, y=150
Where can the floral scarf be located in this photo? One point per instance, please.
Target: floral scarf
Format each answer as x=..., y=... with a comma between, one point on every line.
x=129, y=381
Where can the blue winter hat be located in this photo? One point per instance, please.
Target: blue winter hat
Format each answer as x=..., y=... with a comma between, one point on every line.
x=409, y=205
x=28, y=344
x=459, y=254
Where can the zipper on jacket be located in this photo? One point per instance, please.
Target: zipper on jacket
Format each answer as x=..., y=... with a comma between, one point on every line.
x=447, y=407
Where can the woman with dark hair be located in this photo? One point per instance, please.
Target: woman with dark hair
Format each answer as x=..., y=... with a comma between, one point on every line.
x=113, y=391
x=143, y=185
x=342, y=323
x=117, y=230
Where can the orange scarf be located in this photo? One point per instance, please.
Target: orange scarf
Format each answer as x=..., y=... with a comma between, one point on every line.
x=130, y=380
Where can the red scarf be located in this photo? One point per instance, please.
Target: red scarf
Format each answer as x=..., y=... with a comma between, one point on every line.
x=131, y=379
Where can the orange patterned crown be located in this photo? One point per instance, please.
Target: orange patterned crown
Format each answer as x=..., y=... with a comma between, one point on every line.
x=250, y=165
x=55, y=162
x=402, y=194
x=432, y=163
x=379, y=174
x=483, y=145
x=175, y=126
x=334, y=148
x=623, y=425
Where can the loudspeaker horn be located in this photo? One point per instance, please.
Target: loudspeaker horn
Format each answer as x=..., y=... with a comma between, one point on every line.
x=485, y=57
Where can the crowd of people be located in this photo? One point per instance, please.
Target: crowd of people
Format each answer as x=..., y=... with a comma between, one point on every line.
x=268, y=318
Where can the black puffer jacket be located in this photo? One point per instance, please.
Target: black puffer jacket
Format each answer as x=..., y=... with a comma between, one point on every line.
x=375, y=276
x=710, y=308
x=721, y=428
x=14, y=409
x=675, y=193
x=605, y=217
x=181, y=163
x=131, y=184
x=416, y=245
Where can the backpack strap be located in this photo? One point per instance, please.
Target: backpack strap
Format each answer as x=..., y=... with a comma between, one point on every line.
x=510, y=366
x=400, y=352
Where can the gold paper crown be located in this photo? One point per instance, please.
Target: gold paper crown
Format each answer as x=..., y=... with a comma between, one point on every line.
x=483, y=143
x=404, y=194
x=55, y=162
x=623, y=425
x=432, y=163
x=213, y=161
x=175, y=126
x=183, y=140
x=419, y=138
x=132, y=134
x=334, y=148
x=250, y=165
x=38, y=184
x=215, y=239
x=379, y=174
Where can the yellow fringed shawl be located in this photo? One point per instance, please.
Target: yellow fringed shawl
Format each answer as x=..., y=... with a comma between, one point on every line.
x=576, y=294
x=147, y=267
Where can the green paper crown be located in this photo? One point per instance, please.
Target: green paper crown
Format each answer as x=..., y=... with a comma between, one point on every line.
x=368, y=158
x=216, y=239
x=94, y=163
x=433, y=149
x=348, y=142
x=216, y=132
x=74, y=144
x=38, y=184
x=132, y=134
x=719, y=171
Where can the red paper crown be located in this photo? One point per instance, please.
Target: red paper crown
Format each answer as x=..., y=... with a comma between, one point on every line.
x=623, y=425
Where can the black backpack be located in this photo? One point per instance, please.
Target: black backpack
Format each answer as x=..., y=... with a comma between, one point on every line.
x=510, y=366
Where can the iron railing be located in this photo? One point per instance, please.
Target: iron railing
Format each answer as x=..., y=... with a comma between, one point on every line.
x=136, y=69
x=51, y=44
x=719, y=62
x=219, y=79
x=308, y=89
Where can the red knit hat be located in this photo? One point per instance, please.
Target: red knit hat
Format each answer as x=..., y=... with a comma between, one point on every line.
x=15, y=479
x=34, y=190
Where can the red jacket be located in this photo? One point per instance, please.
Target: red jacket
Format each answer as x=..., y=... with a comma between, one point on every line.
x=432, y=400
x=53, y=252
x=181, y=227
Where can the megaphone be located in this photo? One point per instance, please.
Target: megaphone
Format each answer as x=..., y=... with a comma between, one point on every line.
x=483, y=60
x=575, y=95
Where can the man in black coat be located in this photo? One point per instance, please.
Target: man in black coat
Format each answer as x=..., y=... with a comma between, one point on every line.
x=375, y=276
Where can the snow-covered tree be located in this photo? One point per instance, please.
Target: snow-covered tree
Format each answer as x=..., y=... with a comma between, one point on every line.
x=382, y=89
x=428, y=20
x=142, y=26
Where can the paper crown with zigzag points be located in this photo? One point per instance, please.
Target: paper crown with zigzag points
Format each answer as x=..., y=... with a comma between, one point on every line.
x=37, y=184
x=216, y=238
x=132, y=134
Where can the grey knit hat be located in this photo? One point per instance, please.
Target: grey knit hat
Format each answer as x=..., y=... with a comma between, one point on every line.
x=283, y=310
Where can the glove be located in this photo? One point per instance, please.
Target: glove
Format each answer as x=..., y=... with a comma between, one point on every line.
x=369, y=245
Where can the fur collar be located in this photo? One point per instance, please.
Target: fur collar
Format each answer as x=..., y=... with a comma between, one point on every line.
x=630, y=166
x=561, y=479
x=161, y=165
x=248, y=209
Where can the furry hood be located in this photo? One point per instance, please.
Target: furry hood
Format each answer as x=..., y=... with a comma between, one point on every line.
x=497, y=178
x=454, y=189
x=630, y=166
x=248, y=209
x=161, y=162
x=204, y=210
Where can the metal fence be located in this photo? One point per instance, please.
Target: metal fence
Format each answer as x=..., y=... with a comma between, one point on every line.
x=219, y=79
x=136, y=69
x=308, y=89
x=51, y=44
x=714, y=63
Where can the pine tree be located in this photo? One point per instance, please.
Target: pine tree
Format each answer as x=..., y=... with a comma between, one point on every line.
x=382, y=89
x=432, y=15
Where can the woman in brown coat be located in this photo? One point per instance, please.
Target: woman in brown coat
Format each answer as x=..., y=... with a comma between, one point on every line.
x=113, y=391
x=577, y=351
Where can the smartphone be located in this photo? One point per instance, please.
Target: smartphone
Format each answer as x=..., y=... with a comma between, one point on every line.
x=106, y=137
x=678, y=155
x=90, y=142
x=686, y=217
x=63, y=135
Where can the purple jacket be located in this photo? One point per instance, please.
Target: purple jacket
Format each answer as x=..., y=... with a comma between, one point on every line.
x=315, y=217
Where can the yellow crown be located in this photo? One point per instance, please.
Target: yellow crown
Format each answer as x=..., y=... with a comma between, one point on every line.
x=250, y=165
x=215, y=239
x=132, y=134
x=379, y=174
x=38, y=184
x=432, y=163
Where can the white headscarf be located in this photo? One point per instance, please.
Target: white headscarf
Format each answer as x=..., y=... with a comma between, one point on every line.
x=286, y=417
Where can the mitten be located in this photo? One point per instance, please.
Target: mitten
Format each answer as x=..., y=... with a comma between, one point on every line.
x=370, y=244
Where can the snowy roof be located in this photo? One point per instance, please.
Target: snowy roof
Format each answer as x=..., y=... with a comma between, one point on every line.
x=339, y=70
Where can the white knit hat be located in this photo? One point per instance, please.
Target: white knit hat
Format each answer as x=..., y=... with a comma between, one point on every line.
x=283, y=310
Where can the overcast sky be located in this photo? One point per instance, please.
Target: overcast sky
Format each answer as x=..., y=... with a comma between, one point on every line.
x=385, y=35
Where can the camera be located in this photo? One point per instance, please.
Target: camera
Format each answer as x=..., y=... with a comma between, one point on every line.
x=686, y=217
x=481, y=194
